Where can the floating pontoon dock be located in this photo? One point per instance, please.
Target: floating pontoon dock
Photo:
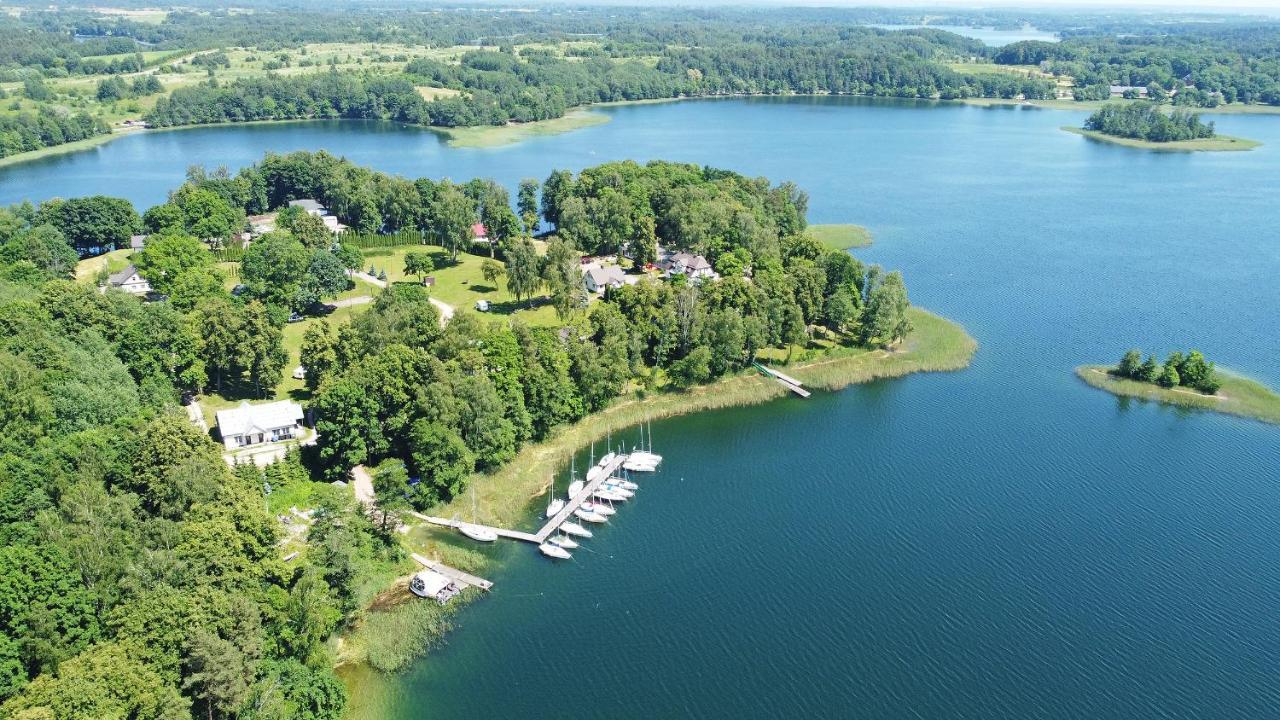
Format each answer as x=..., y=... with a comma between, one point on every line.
x=596, y=476
x=785, y=381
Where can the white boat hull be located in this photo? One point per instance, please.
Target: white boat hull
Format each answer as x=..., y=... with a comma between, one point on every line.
x=563, y=541
x=622, y=483
x=573, y=528
x=598, y=508
x=588, y=516
x=554, y=551
x=478, y=533
x=638, y=467
x=554, y=507
x=609, y=495
x=575, y=487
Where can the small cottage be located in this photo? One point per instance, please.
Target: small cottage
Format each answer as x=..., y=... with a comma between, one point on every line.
x=257, y=424
x=130, y=281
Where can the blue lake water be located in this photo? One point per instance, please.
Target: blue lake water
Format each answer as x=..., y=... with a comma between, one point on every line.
x=988, y=35
x=1002, y=542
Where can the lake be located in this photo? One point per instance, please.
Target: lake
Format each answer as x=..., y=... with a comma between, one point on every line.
x=988, y=35
x=1003, y=542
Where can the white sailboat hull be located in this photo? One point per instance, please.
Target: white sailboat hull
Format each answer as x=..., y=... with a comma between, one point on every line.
x=563, y=541
x=610, y=495
x=554, y=551
x=573, y=528
x=623, y=483
x=637, y=466
x=554, y=507
x=599, y=509
x=588, y=516
x=477, y=533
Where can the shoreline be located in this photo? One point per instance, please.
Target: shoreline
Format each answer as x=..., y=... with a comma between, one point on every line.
x=483, y=136
x=507, y=497
x=1239, y=396
x=1218, y=143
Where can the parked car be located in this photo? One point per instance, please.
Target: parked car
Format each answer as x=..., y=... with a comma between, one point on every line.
x=299, y=373
x=295, y=317
x=482, y=305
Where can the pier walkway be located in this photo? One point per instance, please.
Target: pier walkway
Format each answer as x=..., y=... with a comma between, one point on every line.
x=595, y=478
x=785, y=381
x=459, y=577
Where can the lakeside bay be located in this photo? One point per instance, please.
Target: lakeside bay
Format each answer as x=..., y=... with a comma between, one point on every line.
x=984, y=543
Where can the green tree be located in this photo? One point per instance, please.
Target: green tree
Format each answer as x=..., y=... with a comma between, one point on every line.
x=45, y=247
x=165, y=257
x=524, y=274
x=1130, y=365
x=318, y=353
x=841, y=312
x=527, y=204
x=91, y=223
x=164, y=218
x=310, y=231
x=562, y=275
x=452, y=215
x=692, y=369
x=1150, y=371
x=644, y=241
x=557, y=189
x=217, y=673
x=274, y=267
x=492, y=271
x=420, y=264
x=442, y=459
x=105, y=681
x=1169, y=375
x=391, y=490
x=207, y=215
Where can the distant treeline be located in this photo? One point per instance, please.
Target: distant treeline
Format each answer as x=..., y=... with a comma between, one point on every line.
x=1190, y=370
x=26, y=131
x=1143, y=121
x=1204, y=68
x=497, y=87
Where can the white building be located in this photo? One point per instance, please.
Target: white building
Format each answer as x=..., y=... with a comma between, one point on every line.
x=310, y=207
x=695, y=267
x=130, y=281
x=597, y=278
x=257, y=424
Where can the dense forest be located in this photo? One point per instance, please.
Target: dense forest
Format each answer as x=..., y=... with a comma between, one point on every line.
x=1143, y=121
x=141, y=577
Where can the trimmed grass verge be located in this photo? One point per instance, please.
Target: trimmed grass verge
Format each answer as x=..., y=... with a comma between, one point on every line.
x=1238, y=395
x=1214, y=144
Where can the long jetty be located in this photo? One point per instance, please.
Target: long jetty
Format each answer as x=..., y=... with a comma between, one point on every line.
x=595, y=478
x=785, y=381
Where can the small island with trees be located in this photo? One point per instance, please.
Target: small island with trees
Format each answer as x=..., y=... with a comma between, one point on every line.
x=1185, y=380
x=1144, y=125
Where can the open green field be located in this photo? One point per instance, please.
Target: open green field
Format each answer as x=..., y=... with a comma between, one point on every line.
x=87, y=270
x=495, y=135
x=840, y=237
x=461, y=284
x=1237, y=396
x=1217, y=143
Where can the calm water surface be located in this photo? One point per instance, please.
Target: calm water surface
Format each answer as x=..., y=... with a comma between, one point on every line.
x=1002, y=542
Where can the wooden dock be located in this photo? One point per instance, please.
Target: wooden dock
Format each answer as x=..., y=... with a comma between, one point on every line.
x=464, y=580
x=595, y=478
x=785, y=381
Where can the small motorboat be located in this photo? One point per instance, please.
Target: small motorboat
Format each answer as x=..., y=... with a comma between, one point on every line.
x=563, y=541
x=573, y=528
x=598, y=508
x=554, y=551
x=623, y=483
x=591, y=517
x=479, y=533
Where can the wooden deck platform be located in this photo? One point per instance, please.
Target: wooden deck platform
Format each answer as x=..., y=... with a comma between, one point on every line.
x=595, y=478
x=461, y=578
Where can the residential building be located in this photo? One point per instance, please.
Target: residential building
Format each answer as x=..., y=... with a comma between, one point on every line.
x=137, y=242
x=256, y=424
x=695, y=267
x=310, y=207
x=130, y=281
x=597, y=278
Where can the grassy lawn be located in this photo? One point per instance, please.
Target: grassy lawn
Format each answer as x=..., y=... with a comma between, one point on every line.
x=841, y=237
x=1213, y=144
x=1237, y=396
x=461, y=284
x=115, y=261
x=496, y=135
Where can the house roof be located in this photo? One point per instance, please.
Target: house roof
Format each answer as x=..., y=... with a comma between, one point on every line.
x=479, y=230
x=691, y=261
x=137, y=242
x=123, y=276
x=308, y=204
x=606, y=275
x=258, y=418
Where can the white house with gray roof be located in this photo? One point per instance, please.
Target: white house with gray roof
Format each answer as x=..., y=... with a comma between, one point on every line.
x=257, y=424
x=130, y=281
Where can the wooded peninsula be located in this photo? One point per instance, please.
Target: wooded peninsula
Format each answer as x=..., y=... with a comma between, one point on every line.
x=150, y=572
